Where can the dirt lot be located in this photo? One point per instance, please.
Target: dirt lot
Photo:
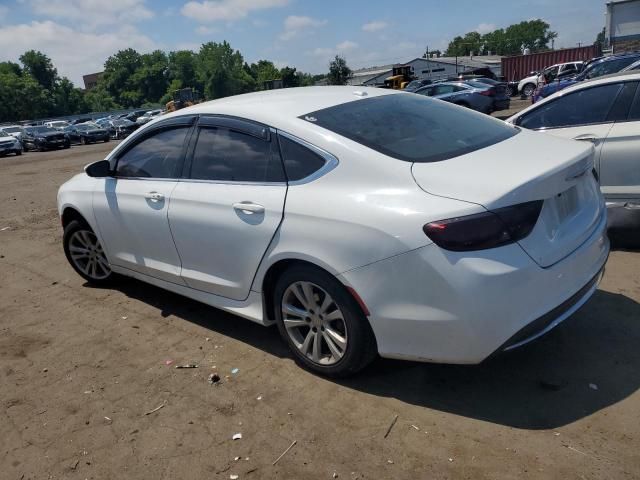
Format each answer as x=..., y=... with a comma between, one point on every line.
x=80, y=367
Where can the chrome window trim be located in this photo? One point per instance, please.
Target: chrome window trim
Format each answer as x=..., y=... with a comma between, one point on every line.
x=330, y=161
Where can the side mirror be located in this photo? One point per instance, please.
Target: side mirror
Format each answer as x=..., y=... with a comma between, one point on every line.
x=99, y=169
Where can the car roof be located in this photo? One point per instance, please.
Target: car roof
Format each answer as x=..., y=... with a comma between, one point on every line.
x=605, y=79
x=281, y=108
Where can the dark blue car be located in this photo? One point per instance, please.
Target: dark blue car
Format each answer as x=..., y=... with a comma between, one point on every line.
x=596, y=68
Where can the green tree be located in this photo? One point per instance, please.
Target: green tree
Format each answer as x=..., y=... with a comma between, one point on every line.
x=532, y=34
x=118, y=77
x=67, y=99
x=98, y=99
x=22, y=97
x=339, y=71
x=221, y=71
x=10, y=67
x=39, y=66
x=601, y=39
x=182, y=69
x=151, y=79
x=263, y=71
x=290, y=77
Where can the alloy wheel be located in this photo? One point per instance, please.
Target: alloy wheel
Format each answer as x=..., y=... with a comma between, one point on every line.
x=88, y=256
x=314, y=323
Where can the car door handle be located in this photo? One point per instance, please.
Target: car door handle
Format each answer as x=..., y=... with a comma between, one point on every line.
x=586, y=138
x=248, y=208
x=154, y=196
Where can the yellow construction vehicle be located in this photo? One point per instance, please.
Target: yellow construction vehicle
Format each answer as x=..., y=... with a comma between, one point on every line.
x=400, y=77
x=185, y=97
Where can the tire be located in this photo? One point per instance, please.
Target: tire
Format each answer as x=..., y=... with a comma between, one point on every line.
x=347, y=326
x=528, y=89
x=83, y=140
x=18, y=153
x=67, y=145
x=78, y=238
x=106, y=140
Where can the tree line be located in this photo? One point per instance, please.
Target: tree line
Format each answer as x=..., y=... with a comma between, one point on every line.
x=536, y=35
x=34, y=89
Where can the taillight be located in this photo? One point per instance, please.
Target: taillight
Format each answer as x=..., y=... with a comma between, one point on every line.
x=490, y=92
x=485, y=230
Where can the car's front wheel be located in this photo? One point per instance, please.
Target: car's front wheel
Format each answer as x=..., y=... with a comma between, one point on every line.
x=85, y=254
x=528, y=89
x=322, y=323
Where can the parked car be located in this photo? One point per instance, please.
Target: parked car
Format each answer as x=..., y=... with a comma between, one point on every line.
x=81, y=120
x=477, y=96
x=634, y=66
x=133, y=116
x=13, y=130
x=86, y=133
x=118, y=128
x=57, y=124
x=43, y=138
x=416, y=84
x=561, y=70
x=360, y=222
x=9, y=144
x=147, y=117
x=502, y=93
x=606, y=113
x=597, y=68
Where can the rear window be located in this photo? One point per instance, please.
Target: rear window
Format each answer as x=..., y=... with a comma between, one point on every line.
x=412, y=127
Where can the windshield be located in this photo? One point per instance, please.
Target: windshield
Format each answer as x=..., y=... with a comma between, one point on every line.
x=122, y=123
x=412, y=127
x=11, y=129
x=86, y=128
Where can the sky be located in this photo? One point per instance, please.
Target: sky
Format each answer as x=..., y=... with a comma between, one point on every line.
x=79, y=35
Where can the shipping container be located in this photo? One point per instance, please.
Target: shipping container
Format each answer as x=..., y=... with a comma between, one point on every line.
x=518, y=67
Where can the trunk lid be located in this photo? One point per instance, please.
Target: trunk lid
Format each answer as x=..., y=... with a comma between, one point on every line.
x=525, y=168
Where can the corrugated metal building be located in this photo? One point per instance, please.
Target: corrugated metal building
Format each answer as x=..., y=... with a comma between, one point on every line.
x=433, y=68
x=518, y=67
x=622, y=25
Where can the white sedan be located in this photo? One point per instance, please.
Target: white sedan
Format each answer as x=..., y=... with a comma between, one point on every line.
x=360, y=222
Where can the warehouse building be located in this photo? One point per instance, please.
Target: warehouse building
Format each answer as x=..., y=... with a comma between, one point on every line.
x=433, y=68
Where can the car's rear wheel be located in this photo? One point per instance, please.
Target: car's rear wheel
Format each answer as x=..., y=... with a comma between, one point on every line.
x=18, y=152
x=322, y=323
x=85, y=254
x=528, y=89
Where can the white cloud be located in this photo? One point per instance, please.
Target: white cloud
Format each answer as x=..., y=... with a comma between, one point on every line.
x=216, y=10
x=341, y=48
x=346, y=46
x=57, y=42
x=92, y=13
x=294, y=25
x=202, y=30
x=374, y=26
x=485, y=28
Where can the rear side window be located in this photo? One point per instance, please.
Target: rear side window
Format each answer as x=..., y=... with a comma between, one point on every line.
x=158, y=156
x=584, y=107
x=299, y=161
x=227, y=155
x=412, y=127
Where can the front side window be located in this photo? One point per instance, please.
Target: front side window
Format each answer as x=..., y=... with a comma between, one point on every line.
x=584, y=107
x=412, y=128
x=230, y=156
x=157, y=156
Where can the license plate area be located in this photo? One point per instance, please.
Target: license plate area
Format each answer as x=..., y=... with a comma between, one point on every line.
x=565, y=204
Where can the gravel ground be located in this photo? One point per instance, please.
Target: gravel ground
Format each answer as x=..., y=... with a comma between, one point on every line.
x=83, y=371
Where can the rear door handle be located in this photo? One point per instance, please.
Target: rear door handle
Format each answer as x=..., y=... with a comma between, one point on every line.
x=586, y=138
x=248, y=208
x=154, y=196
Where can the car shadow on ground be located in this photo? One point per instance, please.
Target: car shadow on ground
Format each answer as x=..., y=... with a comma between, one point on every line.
x=586, y=364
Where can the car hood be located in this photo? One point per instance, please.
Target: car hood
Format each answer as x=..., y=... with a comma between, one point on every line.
x=48, y=134
x=7, y=138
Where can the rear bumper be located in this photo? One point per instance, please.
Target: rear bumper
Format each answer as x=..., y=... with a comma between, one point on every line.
x=438, y=306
